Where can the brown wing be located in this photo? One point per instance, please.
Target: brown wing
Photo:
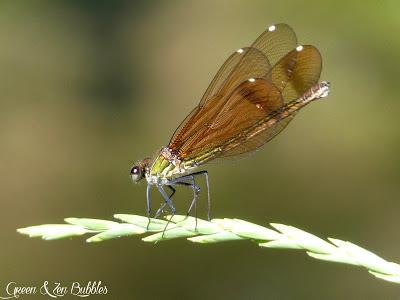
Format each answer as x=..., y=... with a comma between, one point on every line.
x=274, y=43
x=245, y=91
x=248, y=145
x=253, y=62
x=249, y=103
x=292, y=76
x=296, y=72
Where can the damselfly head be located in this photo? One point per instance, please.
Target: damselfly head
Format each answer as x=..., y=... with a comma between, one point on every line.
x=138, y=170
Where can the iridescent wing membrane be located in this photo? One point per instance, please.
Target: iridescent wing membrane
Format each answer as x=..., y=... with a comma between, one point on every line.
x=253, y=83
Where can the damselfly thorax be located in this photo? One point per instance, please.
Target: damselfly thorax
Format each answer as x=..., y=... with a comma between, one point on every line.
x=253, y=97
x=166, y=166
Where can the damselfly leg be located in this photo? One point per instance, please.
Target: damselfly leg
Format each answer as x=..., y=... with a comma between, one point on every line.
x=161, y=209
x=190, y=180
x=187, y=180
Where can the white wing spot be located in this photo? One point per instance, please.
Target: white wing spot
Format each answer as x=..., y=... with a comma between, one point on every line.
x=299, y=48
x=258, y=105
x=271, y=28
x=252, y=79
x=240, y=51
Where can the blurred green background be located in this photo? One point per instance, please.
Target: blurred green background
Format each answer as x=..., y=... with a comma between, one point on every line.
x=89, y=87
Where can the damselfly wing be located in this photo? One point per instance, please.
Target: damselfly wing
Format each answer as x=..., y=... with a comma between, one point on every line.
x=252, y=98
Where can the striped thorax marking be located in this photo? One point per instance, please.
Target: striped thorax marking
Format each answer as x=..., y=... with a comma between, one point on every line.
x=166, y=166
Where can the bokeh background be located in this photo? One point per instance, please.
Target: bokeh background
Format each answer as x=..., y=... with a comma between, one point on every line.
x=89, y=87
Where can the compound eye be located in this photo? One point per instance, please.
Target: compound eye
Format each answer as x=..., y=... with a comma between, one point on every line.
x=135, y=171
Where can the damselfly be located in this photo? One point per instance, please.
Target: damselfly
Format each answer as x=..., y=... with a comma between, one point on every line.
x=253, y=97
